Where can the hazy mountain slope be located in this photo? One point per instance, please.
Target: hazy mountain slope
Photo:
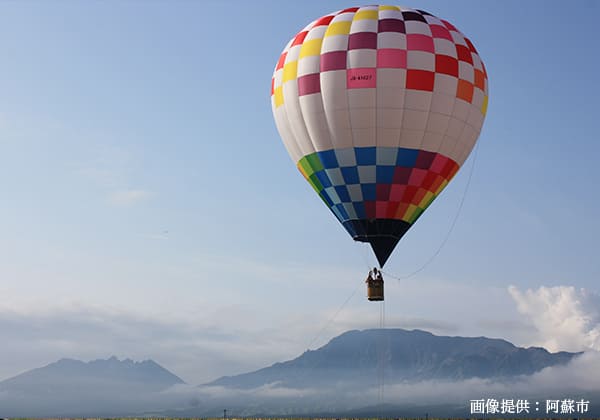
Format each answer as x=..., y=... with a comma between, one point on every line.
x=405, y=356
x=73, y=387
x=341, y=377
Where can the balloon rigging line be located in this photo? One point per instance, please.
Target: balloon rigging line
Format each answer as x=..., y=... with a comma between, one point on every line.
x=443, y=243
x=365, y=255
x=331, y=319
x=381, y=355
x=325, y=326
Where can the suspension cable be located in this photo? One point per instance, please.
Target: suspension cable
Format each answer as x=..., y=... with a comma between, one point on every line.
x=334, y=316
x=452, y=225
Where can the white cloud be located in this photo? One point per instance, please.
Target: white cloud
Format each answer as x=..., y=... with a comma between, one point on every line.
x=565, y=318
x=581, y=375
x=129, y=197
x=272, y=390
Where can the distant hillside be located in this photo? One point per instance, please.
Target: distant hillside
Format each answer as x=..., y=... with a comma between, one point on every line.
x=72, y=387
x=339, y=379
x=405, y=356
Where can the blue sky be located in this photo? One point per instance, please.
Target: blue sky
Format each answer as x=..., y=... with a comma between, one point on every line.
x=147, y=196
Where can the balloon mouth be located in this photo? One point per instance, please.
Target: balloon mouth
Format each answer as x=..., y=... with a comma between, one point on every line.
x=382, y=234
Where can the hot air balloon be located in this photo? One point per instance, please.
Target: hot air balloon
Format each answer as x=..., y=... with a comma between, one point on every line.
x=378, y=107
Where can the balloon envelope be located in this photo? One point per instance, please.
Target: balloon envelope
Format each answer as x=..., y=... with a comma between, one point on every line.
x=379, y=106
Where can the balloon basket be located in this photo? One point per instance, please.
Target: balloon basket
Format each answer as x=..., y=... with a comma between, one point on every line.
x=375, y=290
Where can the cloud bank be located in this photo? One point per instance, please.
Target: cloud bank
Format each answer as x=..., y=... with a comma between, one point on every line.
x=580, y=379
x=196, y=348
x=564, y=318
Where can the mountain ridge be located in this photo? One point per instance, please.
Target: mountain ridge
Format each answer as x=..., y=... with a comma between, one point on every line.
x=338, y=377
x=407, y=355
x=73, y=388
x=111, y=368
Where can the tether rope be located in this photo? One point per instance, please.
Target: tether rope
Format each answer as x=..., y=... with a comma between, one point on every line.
x=334, y=316
x=381, y=355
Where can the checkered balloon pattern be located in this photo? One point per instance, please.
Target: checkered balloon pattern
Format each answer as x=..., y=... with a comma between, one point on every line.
x=379, y=106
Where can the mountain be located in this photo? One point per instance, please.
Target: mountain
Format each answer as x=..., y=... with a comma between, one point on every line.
x=393, y=373
x=400, y=356
x=72, y=387
x=422, y=373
